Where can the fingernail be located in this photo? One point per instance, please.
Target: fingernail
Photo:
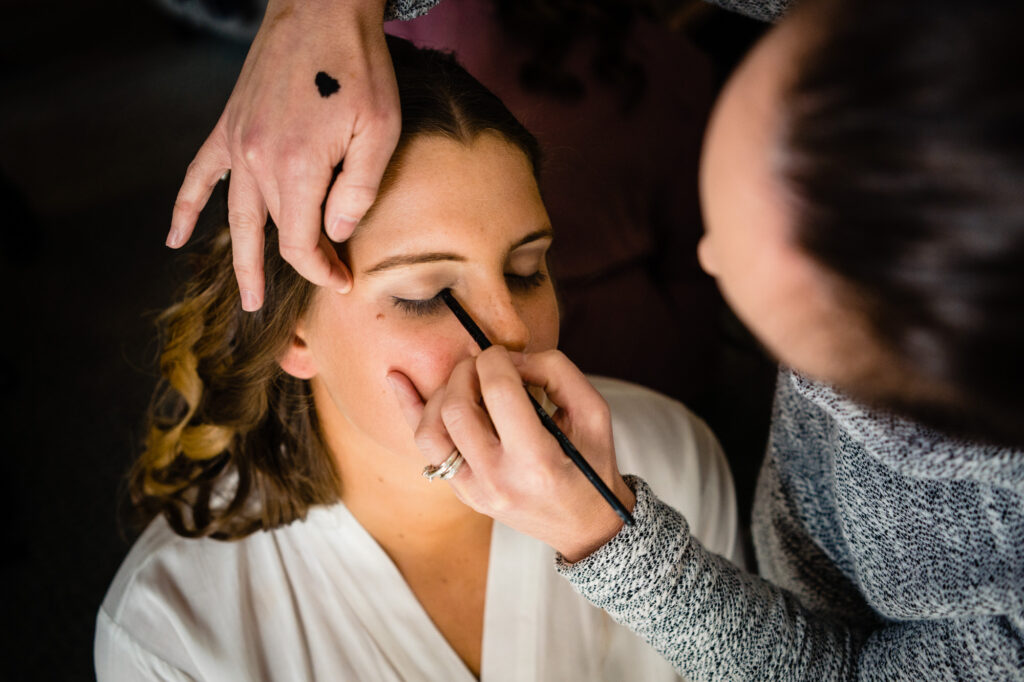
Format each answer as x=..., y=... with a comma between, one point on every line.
x=174, y=239
x=346, y=287
x=249, y=301
x=341, y=225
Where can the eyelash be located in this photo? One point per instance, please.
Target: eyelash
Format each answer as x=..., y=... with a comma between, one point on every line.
x=429, y=306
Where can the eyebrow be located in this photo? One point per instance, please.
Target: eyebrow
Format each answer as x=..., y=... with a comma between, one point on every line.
x=439, y=256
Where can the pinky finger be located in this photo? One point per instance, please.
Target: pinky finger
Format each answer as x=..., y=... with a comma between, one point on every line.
x=208, y=168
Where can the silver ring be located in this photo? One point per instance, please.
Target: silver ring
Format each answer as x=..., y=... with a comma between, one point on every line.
x=446, y=469
x=453, y=469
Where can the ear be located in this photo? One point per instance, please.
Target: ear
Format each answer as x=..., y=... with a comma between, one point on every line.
x=297, y=359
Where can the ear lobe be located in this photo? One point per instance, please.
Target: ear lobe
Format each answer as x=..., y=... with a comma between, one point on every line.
x=297, y=359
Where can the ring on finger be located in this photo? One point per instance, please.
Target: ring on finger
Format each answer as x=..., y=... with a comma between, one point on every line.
x=447, y=469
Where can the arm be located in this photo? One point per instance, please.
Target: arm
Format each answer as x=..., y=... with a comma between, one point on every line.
x=709, y=618
x=713, y=621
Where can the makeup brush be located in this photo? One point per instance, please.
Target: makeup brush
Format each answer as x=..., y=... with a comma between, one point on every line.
x=563, y=441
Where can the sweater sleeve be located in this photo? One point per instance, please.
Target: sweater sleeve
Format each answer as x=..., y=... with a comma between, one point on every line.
x=763, y=10
x=713, y=621
x=407, y=9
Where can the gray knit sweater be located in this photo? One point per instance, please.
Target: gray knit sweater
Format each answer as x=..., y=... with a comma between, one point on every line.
x=765, y=10
x=886, y=552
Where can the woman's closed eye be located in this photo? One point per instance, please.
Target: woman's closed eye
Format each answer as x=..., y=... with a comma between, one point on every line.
x=435, y=304
x=526, y=282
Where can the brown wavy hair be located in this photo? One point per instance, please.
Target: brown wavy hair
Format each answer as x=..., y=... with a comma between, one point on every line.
x=233, y=441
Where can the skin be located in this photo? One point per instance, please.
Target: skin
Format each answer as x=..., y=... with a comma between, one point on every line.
x=787, y=300
x=783, y=297
x=281, y=140
x=478, y=202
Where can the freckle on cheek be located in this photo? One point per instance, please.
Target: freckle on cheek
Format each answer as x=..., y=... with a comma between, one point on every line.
x=380, y=316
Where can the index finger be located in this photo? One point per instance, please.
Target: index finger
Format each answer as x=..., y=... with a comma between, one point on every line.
x=508, y=404
x=467, y=423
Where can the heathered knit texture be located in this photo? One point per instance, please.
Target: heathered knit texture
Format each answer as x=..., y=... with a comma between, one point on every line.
x=765, y=10
x=886, y=552
x=407, y=9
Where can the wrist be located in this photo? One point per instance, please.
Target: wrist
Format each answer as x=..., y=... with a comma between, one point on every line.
x=599, y=528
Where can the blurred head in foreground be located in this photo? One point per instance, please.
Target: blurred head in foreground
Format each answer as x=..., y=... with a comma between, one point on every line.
x=863, y=192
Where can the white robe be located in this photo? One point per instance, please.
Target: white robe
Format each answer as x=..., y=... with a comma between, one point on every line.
x=319, y=599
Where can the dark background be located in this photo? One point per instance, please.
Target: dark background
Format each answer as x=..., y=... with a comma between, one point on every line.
x=102, y=106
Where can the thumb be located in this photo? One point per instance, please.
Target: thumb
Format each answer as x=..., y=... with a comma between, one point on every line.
x=409, y=400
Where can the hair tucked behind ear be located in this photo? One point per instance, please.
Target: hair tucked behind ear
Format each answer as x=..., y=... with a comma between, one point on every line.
x=233, y=443
x=904, y=146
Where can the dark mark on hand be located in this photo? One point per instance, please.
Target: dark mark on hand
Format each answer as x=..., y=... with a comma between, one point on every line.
x=326, y=85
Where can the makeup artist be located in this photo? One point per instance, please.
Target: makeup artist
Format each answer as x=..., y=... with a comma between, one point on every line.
x=862, y=190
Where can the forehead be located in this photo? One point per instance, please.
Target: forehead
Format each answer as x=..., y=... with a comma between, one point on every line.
x=446, y=192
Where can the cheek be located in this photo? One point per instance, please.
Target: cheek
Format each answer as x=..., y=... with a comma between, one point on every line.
x=361, y=353
x=427, y=357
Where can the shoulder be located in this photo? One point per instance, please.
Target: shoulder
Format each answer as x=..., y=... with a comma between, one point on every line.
x=176, y=600
x=906, y=447
x=660, y=440
x=142, y=610
x=147, y=556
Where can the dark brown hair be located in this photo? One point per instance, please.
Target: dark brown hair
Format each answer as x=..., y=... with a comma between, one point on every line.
x=233, y=444
x=904, y=146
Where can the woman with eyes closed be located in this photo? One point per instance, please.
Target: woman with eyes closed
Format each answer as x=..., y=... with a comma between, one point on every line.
x=291, y=534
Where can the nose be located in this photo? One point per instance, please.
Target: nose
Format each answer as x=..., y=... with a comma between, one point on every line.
x=502, y=322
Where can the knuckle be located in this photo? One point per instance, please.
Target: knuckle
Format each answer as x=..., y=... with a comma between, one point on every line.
x=250, y=143
x=428, y=441
x=599, y=416
x=293, y=160
x=552, y=358
x=455, y=412
x=183, y=205
x=293, y=253
x=358, y=197
x=505, y=388
x=244, y=270
x=194, y=169
x=242, y=220
x=386, y=119
x=498, y=500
